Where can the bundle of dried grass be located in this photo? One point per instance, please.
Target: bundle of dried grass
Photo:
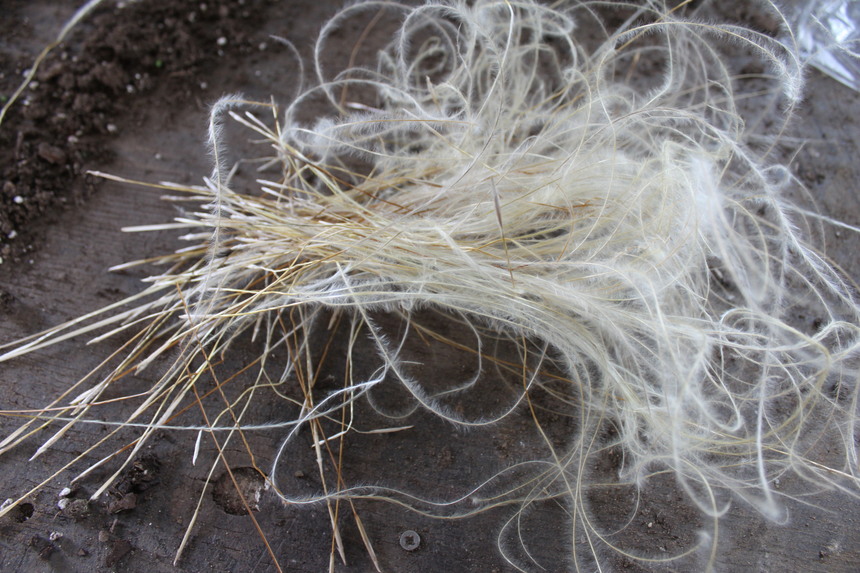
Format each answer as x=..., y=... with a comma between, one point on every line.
x=605, y=209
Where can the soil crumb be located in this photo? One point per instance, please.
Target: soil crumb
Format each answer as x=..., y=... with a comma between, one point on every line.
x=250, y=485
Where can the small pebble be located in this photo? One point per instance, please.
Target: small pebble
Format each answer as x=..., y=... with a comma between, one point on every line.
x=51, y=153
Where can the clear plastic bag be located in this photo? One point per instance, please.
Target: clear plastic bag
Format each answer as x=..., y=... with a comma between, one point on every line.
x=828, y=35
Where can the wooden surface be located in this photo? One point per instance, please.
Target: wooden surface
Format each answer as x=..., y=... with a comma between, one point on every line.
x=67, y=275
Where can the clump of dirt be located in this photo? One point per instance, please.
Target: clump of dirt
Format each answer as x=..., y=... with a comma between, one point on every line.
x=65, y=118
x=117, y=550
x=236, y=498
x=140, y=476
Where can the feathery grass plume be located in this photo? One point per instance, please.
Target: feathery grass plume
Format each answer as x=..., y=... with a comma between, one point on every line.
x=599, y=207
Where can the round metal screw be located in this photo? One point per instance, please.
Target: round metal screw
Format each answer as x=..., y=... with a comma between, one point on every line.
x=410, y=540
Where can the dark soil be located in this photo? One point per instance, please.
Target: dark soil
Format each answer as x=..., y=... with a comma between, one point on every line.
x=128, y=93
x=87, y=87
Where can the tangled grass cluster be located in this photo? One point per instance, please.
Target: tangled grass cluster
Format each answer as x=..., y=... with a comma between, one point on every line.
x=606, y=207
